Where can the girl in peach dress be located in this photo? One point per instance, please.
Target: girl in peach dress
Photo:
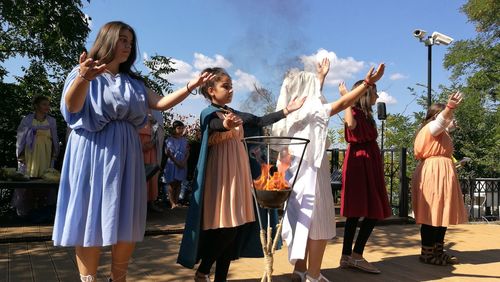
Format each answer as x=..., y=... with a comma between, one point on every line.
x=437, y=198
x=221, y=211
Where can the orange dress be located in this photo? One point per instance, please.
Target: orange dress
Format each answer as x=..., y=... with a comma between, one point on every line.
x=145, y=134
x=436, y=195
x=227, y=199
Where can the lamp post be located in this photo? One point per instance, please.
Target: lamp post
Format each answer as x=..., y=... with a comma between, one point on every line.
x=435, y=38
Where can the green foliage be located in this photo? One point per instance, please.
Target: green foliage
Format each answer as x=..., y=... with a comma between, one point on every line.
x=475, y=67
x=51, y=35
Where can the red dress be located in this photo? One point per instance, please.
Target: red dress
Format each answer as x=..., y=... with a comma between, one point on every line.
x=363, y=185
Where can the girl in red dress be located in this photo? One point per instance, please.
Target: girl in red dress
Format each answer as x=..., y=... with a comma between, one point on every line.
x=363, y=186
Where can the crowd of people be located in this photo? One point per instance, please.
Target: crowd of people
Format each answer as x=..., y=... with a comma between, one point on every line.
x=117, y=127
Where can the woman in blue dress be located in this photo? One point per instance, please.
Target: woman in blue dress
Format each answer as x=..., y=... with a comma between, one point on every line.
x=102, y=195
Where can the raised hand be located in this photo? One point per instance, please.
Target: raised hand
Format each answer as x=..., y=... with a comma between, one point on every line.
x=372, y=77
x=295, y=104
x=454, y=100
x=342, y=88
x=199, y=80
x=231, y=121
x=89, y=68
x=323, y=67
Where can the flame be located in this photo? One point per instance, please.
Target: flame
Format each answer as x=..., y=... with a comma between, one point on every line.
x=267, y=182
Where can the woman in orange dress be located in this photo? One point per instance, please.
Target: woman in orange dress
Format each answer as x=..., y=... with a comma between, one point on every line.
x=437, y=198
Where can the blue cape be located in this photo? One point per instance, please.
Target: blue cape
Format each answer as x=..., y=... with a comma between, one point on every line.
x=248, y=240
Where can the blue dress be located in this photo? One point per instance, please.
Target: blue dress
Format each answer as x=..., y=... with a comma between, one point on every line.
x=102, y=194
x=178, y=147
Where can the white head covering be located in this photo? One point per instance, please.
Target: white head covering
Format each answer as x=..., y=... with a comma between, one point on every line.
x=310, y=121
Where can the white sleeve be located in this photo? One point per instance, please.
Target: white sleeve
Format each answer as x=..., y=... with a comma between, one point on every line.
x=438, y=125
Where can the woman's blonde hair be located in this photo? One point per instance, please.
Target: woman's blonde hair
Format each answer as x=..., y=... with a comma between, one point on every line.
x=105, y=43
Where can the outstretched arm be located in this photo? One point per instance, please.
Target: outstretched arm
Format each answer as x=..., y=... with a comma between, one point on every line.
x=351, y=97
x=156, y=102
x=349, y=120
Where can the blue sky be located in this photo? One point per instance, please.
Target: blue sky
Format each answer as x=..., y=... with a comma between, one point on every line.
x=258, y=40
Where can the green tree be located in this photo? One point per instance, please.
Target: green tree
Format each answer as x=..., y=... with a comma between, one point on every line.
x=475, y=67
x=50, y=35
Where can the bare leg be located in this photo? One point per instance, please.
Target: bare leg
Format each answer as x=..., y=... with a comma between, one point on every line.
x=120, y=256
x=171, y=195
x=177, y=188
x=87, y=259
x=316, y=250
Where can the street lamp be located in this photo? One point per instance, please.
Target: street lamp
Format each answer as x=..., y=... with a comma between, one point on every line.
x=438, y=39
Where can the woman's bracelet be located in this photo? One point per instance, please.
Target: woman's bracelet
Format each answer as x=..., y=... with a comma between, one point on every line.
x=83, y=77
x=367, y=83
x=187, y=88
x=450, y=107
x=286, y=111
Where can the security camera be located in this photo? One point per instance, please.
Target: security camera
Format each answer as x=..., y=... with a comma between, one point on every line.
x=440, y=38
x=419, y=33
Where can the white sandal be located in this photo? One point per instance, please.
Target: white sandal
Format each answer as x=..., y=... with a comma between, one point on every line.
x=302, y=275
x=319, y=279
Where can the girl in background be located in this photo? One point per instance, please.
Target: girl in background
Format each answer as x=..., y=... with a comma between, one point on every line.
x=148, y=136
x=436, y=195
x=37, y=148
x=177, y=152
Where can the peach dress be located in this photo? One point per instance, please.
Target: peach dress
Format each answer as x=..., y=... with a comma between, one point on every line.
x=227, y=199
x=436, y=195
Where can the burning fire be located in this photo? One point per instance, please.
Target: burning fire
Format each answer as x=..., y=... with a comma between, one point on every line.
x=268, y=182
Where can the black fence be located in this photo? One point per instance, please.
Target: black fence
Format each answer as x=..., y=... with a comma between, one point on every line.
x=482, y=198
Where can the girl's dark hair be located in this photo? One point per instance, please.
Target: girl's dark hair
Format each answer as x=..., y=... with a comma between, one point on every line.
x=432, y=113
x=364, y=101
x=105, y=43
x=219, y=74
x=177, y=123
x=38, y=99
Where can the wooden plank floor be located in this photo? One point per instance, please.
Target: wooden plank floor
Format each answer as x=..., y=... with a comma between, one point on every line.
x=392, y=248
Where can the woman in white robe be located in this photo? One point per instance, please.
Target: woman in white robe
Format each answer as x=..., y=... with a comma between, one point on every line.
x=310, y=215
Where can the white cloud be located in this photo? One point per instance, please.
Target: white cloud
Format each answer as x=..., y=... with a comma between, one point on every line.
x=184, y=72
x=201, y=61
x=341, y=69
x=386, y=98
x=244, y=82
x=145, y=56
x=397, y=76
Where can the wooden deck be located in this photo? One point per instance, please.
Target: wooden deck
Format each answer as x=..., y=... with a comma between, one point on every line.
x=392, y=248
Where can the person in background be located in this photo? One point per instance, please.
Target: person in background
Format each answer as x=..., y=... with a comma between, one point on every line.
x=37, y=148
x=149, y=136
x=436, y=194
x=177, y=153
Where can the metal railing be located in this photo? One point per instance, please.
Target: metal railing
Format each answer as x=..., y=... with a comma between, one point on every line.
x=482, y=198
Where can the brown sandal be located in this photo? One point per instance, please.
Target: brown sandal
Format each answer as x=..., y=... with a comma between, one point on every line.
x=440, y=252
x=428, y=256
x=200, y=277
x=364, y=265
